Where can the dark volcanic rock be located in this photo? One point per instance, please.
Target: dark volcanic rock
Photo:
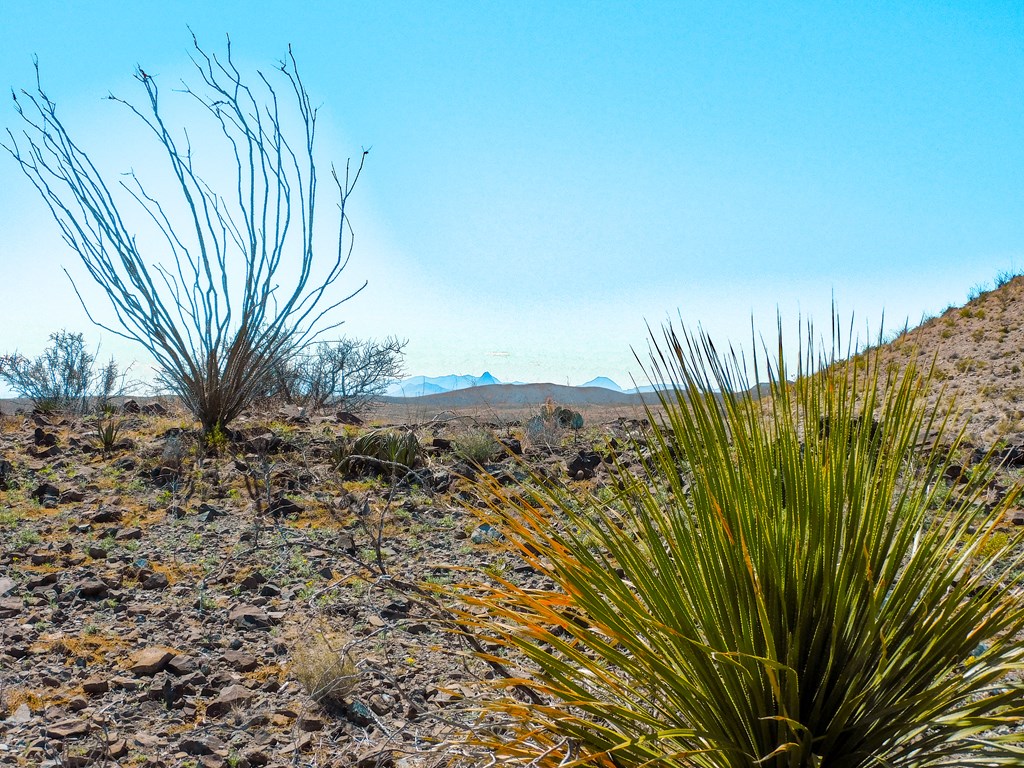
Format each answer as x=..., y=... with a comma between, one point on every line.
x=43, y=439
x=230, y=698
x=584, y=462
x=45, y=491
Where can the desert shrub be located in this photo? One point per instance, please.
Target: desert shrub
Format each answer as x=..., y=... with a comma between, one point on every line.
x=799, y=597
x=543, y=433
x=1005, y=276
x=321, y=663
x=476, y=445
x=977, y=291
x=546, y=429
x=64, y=377
x=348, y=373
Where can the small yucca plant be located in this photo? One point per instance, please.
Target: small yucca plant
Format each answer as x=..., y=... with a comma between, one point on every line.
x=784, y=583
x=108, y=432
x=382, y=449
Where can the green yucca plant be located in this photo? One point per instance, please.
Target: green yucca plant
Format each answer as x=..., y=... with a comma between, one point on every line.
x=382, y=448
x=782, y=584
x=108, y=432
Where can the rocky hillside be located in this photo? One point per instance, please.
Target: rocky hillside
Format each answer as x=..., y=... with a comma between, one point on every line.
x=978, y=351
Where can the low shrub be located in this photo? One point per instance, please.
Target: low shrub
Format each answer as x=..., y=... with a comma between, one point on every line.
x=108, y=431
x=476, y=445
x=321, y=663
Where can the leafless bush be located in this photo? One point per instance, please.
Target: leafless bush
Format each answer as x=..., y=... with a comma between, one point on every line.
x=348, y=373
x=206, y=297
x=64, y=377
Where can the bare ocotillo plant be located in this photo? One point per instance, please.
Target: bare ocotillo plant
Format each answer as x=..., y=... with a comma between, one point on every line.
x=203, y=294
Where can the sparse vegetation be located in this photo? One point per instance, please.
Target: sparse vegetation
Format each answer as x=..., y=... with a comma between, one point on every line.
x=64, y=377
x=320, y=661
x=381, y=452
x=350, y=374
x=476, y=445
x=108, y=432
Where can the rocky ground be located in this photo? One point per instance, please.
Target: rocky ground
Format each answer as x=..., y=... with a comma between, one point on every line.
x=245, y=603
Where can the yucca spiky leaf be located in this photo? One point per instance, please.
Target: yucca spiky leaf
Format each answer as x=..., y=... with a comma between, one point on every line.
x=786, y=581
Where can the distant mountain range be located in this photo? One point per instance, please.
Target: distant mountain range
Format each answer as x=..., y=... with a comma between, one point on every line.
x=421, y=386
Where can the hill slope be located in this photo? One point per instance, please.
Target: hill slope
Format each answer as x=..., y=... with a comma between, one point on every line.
x=524, y=394
x=978, y=351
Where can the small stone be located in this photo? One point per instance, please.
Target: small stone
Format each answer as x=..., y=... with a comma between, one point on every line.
x=106, y=515
x=43, y=438
x=21, y=715
x=128, y=534
x=310, y=723
x=91, y=588
x=252, y=580
x=182, y=665
x=117, y=749
x=46, y=491
x=156, y=581
x=256, y=757
x=42, y=557
x=10, y=606
x=40, y=581
x=485, y=533
x=249, y=617
x=95, y=685
x=240, y=660
x=359, y=713
x=68, y=729
x=148, y=740
x=149, y=661
x=231, y=697
x=282, y=506
x=96, y=553
x=207, y=745
x=7, y=586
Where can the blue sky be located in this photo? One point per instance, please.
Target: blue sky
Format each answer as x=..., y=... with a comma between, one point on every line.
x=547, y=178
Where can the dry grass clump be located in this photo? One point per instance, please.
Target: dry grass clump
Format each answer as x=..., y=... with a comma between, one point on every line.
x=476, y=445
x=320, y=661
x=12, y=698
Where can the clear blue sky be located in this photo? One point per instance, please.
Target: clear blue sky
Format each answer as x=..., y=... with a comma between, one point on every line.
x=547, y=177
